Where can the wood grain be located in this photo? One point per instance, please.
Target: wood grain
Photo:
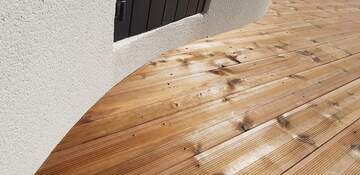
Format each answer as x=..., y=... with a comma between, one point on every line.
x=338, y=156
x=271, y=97
x=273, y=147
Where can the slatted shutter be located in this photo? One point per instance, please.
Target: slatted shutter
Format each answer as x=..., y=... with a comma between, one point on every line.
x=137, y=16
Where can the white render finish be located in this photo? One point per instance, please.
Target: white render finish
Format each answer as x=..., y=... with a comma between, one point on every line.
x=220, y=16
x=55, y=62
x=57, y=59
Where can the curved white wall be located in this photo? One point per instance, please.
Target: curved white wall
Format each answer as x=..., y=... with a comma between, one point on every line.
x=56, y=60
x=220, y=16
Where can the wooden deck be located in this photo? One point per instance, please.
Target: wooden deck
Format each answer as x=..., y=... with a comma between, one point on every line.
x=278, y=96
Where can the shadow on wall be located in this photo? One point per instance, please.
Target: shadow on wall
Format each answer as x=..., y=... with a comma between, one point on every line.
x=219, y=16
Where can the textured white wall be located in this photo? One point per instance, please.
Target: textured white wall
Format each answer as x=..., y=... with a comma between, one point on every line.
x=221, y=16
x=56, y=61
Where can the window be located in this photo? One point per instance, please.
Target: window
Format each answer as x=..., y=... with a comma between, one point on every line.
x=137, y=16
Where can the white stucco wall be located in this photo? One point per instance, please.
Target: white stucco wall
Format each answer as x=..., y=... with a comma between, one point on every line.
x=220, y=16
x=56, y=61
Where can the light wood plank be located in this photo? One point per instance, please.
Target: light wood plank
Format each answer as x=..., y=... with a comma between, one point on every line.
x=190, y=100
x=257, y=105
x=339, y=156
x=280, y=143
x=197, y=92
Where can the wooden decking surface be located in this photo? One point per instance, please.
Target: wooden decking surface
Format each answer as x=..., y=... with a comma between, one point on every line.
x=281, y=95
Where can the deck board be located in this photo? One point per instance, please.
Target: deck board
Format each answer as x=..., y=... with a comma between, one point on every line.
x=269, y=98
x=274, y=146
x=334, y=157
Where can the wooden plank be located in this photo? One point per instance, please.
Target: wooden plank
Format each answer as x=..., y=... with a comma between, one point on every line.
x=140, y=14
x=211, y=61
x=260, y=49
x=251, y=75
x=201, y=141
x=339, y=156
x=188, y=100
x=258, y=105
x=194, y=98
x=156, y=14
x=280, y=143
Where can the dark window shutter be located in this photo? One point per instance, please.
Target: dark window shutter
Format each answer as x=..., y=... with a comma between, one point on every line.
x=122, y=19
x=156, y=14
x=201, y=6
x=137, y=16
x=140, y=14
x=181, y=9
x=192, y=7
x=170, y=11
